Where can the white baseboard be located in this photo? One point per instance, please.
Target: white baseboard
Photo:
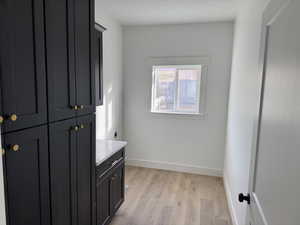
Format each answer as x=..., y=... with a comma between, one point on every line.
x=175, y=167
x=230, y=201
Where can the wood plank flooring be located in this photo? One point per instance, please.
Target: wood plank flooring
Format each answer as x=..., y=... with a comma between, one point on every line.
x=157, y=197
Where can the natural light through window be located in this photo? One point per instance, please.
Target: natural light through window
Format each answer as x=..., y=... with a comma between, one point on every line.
x=176, y=89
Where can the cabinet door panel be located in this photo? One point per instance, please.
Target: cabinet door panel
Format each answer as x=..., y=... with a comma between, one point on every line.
x=63, y=172
x=86, y=169
x=22, y=64
x=85, y=79
x=98, y=61
x=117, y=188
x=27, y=177
x=60, y=58
x=103, y=200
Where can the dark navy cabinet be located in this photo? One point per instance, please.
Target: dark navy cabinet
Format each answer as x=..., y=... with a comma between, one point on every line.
x=69, y=50
x=72, y=159
x=26, y=173
x=99, y=63
x=47, y=105
x=23, y=100
x=110, y=187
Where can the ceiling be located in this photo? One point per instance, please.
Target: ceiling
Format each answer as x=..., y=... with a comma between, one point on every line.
x=135, y=12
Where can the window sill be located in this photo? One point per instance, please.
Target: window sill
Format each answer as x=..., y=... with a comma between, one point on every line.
x=179, y=115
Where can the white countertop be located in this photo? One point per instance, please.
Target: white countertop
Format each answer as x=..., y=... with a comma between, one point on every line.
x=106, y=148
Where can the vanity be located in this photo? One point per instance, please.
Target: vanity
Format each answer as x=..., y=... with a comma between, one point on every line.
x=110, y=179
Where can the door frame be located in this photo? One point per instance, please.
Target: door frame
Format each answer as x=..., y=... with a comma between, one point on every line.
x=271, y=12
x=2, y=194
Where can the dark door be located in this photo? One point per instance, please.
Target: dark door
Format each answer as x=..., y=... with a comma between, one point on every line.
x=86, y=144
x=62, y=138
x=27, y=177
x=60, y=59
x=22, y=64
x=117, y=188
x=99, y=63
x=84, y=42
x=103, y=200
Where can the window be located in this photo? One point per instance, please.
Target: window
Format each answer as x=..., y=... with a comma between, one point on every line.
x=176, y=89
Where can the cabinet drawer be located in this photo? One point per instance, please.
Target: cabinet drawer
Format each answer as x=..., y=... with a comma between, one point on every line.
x=110, y=163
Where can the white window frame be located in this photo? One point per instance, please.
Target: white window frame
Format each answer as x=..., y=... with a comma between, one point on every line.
x=204, y=61
x=176, y=102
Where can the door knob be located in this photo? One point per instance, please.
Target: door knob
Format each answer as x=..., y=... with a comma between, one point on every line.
x=15, y=148
x=13, y=117
x=245, y=198
x=1, y=119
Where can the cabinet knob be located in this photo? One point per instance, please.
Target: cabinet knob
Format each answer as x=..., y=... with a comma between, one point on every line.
x=75, y=107
x=75, y=128
x=81, y=106
x=1, y=119
x=15, y=148
x=81, y=126
x=13, y=117
x=114, y=177
x=3, y=151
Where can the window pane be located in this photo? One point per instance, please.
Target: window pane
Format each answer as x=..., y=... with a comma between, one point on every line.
x=188, y=90
x=165, y=80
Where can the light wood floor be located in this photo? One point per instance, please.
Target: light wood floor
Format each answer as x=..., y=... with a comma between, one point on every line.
x=157, y=197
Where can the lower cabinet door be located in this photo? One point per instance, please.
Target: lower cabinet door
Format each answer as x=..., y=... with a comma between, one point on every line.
x=117, y=188
x=62, y=139
x=27, y=176
x=72, y=171
x=103, y=200
x=86, y=165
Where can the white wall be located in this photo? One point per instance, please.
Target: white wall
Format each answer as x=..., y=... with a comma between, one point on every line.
x=186, y=143
x=243, y=105
x=109, y=116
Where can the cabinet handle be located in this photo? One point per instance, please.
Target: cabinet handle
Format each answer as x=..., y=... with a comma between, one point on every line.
x=116, y=162
x=1, y=119
x=3, y=151
x=13, y=117
x=15, y=148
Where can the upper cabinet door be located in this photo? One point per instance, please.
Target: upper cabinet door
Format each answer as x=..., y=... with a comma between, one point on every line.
x=26, y=171
x=22, y=64
x=69, y=55
x=60, y=59
x=84, y=53
x=98, y=61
